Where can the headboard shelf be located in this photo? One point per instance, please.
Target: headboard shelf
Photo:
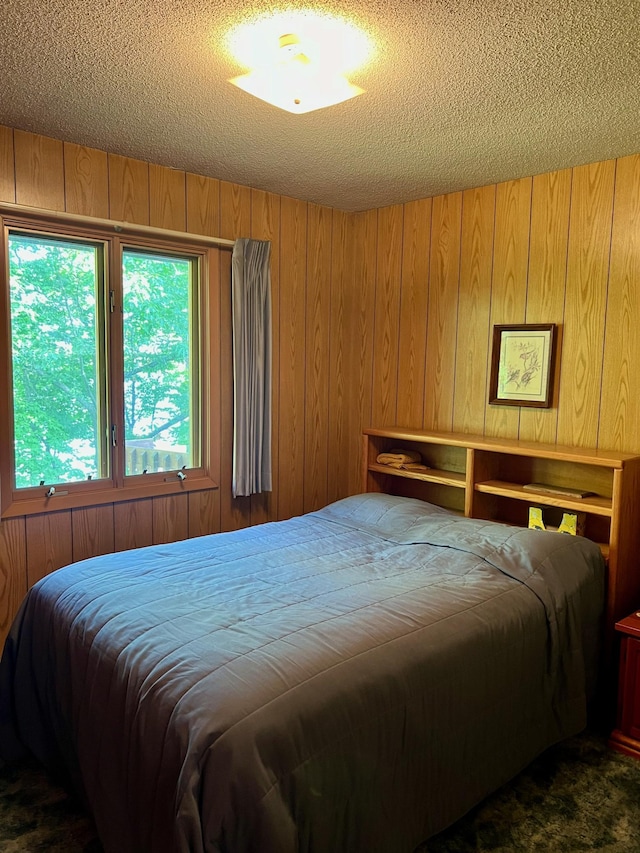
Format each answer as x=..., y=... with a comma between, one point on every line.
x=593, y=504
x=433, y=475
x=486, y=477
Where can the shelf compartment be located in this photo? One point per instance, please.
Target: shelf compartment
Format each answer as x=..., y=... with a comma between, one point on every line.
x=593, y=504
x=504, y=467
x=503, y=508
x=433, y=475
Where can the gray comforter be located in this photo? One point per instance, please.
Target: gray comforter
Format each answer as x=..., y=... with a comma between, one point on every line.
x=350, y=680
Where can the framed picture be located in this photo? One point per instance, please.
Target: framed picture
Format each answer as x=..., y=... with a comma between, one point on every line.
x=522, y=361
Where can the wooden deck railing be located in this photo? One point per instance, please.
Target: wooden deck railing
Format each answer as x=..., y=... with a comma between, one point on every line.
x=140, y=460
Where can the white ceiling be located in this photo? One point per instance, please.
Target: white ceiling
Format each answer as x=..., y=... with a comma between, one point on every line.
x=459, y=93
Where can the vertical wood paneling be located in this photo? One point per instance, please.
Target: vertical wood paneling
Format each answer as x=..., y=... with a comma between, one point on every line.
x=235, y=222
x=387, y=316
x=167, y=198
x=170, y=518
x=414, y=305
x=551, y=198
x=128, y=190
x=13, y=571
x=352, y=342
x=293, y=265
x=204, y=513
x=474, y=306
x=620, y=401
x=585, y=303
x=93, y=531
x=444, y=274
x=235, y=211
x=509, y=282
x=133, y=524
x=360, y=301
x=49, y=543
x=340, y=373
x=317, y=313
x=7, y=167
x=203, y=205
x=86, y=181
x=39, y=166
x=265, y=225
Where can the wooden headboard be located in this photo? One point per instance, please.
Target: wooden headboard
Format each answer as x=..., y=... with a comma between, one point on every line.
x=486, y=477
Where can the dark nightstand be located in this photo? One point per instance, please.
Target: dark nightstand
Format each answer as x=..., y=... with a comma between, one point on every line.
x=626, y=736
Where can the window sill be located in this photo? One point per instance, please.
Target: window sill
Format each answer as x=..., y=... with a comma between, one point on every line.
x=101, y=496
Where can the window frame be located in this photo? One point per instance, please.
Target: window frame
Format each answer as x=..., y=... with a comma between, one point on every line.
x=101, y=338
x=117, y=487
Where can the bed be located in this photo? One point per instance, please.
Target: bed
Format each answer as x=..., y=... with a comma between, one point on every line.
x=354, y=679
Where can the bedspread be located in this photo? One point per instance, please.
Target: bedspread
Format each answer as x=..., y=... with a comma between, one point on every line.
x=354, y=679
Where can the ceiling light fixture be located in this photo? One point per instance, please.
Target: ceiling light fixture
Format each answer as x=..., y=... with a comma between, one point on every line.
x=303, y=68
x=295, y=82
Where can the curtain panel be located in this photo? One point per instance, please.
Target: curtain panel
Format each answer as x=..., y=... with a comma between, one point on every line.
x=251, y=323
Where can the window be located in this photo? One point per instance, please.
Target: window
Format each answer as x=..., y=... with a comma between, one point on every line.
x=58, y=360
x=109, y=371
x=160, y=362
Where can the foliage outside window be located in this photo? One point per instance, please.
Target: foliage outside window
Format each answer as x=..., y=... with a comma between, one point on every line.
x=57, y=358
x=159, y=362
x=105, y=362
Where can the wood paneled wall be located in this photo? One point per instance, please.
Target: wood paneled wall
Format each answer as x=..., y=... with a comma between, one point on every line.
x=434, y=277
x=309, y=265
x=380, y=317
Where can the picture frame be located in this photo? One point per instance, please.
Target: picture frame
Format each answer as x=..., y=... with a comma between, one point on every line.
x=522, y=365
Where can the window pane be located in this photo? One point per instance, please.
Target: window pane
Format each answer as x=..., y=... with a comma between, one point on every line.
x=160, y=345
x=56, y=364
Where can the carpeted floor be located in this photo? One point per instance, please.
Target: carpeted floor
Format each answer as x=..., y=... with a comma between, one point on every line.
x=577, y=796
x=37, y=814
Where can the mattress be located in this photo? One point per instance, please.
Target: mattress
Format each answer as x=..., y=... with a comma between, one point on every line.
x=354, y=679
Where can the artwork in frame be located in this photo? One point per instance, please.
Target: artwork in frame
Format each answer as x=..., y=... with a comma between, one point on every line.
x=522, y=362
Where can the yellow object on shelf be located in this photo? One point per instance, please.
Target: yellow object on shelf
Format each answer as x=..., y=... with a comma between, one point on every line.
x=571, y=522
x=535, y=518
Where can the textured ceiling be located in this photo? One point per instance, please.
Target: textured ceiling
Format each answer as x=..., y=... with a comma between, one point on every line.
x=459, y=93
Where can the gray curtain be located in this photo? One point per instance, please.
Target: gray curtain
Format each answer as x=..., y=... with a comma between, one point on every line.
x=251, y=321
